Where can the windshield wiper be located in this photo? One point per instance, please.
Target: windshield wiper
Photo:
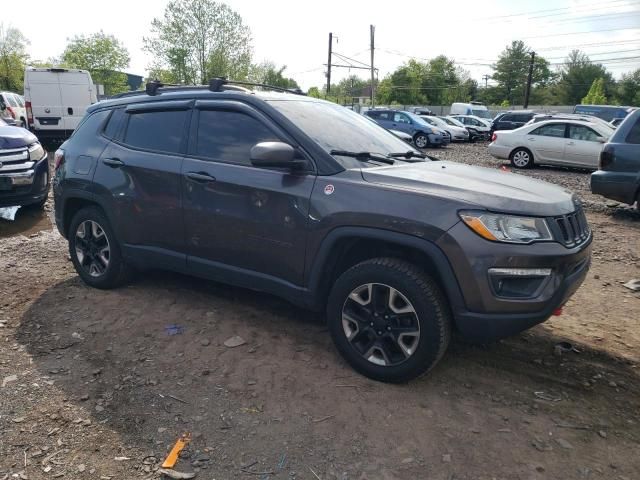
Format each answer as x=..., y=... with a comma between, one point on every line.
x=407, y=155
x=364, y=156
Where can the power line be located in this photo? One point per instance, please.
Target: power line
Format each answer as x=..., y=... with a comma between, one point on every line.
x=582, y=33
x=554, y=10
x=597, y=44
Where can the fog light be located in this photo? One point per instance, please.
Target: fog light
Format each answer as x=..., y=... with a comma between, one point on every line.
x=518, y=283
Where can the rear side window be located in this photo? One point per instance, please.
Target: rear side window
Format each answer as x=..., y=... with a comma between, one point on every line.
x=373, y=114
x=10, y=100
x=111, y=129
x=634, y=133
x=228, y=136
x=507, y=118
x=90, y=124
x=552, y=130
x=157, y=130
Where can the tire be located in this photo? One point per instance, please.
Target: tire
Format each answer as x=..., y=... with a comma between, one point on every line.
x=368, y=343
x=91, y=266
x=472, y=136
x=521, y=158
x=421, y=140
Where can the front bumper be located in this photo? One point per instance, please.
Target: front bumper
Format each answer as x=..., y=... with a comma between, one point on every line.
x=33, y=186
x=486, y=316
x=620, y=186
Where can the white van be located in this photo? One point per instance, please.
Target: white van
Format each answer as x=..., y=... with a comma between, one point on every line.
x=56, y=100
x=473, y=108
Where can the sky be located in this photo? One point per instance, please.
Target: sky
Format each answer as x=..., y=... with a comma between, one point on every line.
x=295, y=33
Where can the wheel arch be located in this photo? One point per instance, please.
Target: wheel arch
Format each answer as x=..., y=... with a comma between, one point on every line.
x=75, y=201
x=346, y=246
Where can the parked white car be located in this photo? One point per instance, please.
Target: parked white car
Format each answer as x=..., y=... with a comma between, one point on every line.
x=477, y=127
x=571, y=143
x=457, y=133
x=15, y=107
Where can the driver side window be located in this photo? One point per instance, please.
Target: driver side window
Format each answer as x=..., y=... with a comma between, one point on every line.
x=581, y=132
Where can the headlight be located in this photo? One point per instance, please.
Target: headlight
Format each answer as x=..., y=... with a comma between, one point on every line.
x=36, y=152
x=507, y=228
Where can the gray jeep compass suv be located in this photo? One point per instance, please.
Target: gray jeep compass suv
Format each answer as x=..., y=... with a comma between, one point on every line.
x=307, y=200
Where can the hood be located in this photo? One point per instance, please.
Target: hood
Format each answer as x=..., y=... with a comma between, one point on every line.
x=477, y=187
x=15, y=137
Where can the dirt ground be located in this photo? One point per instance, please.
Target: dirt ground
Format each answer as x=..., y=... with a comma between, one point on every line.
x=99, y=384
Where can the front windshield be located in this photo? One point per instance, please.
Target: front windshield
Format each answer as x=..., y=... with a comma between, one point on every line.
x=337, y=128
x=482, y=114
x=416, y=118
x=452, y=121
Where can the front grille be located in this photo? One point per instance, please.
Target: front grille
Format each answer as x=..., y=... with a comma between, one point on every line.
x=15, y=161
x=571, y=229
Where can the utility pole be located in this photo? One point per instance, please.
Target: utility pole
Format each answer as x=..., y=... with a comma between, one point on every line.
x=529, y=78
x=329, y=63
x=486, y=79
x=372, y=31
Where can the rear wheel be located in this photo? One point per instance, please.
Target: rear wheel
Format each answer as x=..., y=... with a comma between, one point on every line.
x=389, y=319
x=521, y=158
x=94, y=250
x=421, y=140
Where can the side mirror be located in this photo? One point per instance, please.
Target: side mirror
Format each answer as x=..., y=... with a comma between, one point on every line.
x=603, y=139
x=275, y=154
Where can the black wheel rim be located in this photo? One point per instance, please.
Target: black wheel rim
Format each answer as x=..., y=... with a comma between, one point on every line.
x=381, y=324
x=92, y=248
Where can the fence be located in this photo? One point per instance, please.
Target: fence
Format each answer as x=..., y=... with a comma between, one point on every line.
x=493, y=109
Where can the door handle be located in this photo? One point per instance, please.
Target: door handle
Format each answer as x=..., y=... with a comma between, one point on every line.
x=113, y=162
x=531, y=139
x=200, y=177
x=570, y=143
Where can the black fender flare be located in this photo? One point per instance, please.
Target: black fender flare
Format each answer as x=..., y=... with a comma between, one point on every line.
x=444, y=269
x=78, y=194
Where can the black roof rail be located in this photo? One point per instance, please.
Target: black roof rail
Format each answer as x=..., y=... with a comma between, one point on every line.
x=217, y=84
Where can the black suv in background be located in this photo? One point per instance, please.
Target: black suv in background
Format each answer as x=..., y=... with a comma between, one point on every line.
x=511, y=120
x=310, y=201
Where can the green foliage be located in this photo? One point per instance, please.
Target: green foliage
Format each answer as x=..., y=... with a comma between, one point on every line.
x=505, y=104
x=197, y=40
x=576, y=76
x=596, y=95
x=103, y=55
x=13, y=58
x=314, y=92
x=628, y=89
x=437, y=82
x=268, y=73
x=512, y=69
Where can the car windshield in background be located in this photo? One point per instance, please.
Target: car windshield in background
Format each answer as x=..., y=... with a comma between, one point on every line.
x=482, y=114
x=452, y=121
x=337, y=128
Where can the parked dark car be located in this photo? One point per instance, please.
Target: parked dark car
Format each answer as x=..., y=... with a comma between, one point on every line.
x=304, y=199
x=24, y=170
x=423, y=134
x=618, y=176
x=511, y=120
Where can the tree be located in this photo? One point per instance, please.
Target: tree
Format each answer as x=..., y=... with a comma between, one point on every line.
x=628, y=89
x=268, y=73
x=104, y=56
x=13, y=58
x=577, y=74
x=512, y=69
x=314, y=92
x=197, y=40
x=596, y=95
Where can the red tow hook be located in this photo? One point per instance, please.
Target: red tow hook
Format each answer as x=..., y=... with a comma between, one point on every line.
x=557, y=311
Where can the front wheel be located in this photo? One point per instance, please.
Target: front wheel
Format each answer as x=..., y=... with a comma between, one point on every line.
x=388, y=319
x=95, y=251
x=521, y=158
x=421, y=140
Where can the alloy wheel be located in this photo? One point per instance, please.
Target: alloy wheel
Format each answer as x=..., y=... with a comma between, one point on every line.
x=381, y=324
x=421, y=141
x=92, y=248
x=521, y=158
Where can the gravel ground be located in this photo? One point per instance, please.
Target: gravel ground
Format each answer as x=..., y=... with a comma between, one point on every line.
x=94, y=386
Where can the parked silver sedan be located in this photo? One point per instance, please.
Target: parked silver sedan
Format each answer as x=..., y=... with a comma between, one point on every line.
x=571, y=143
